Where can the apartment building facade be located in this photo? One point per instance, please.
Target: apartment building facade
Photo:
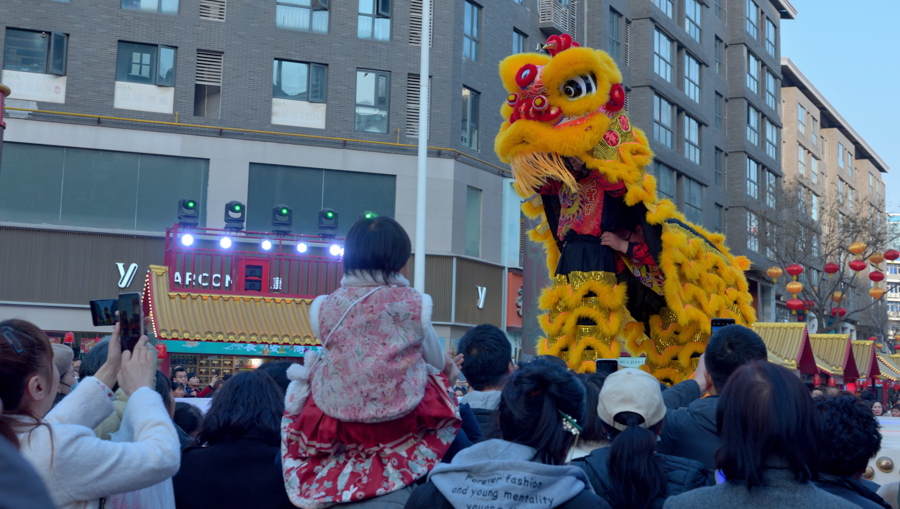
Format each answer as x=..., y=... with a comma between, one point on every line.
x=829, y=164
x=119, y=109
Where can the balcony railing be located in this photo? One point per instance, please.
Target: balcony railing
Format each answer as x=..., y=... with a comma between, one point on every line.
x=245, y=267
x=557, y=16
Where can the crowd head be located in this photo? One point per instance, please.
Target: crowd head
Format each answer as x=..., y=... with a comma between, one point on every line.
x=850, y=434
x=487, y=357
x=728, y=349
x=250, y=402
x=377, y=246
x=30, y=378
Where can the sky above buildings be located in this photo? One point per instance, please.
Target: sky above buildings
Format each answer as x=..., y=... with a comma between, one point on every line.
x=851, y=54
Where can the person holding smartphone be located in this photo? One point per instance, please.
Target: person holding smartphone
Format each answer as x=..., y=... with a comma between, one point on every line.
x=192, y=389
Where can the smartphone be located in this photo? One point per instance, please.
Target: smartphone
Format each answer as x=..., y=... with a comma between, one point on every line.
x=103, y=311
x=607, y=366
x=131, y=318
x=718, y=323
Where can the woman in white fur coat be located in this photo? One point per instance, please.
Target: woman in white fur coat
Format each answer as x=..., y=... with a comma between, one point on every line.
x=78, y=468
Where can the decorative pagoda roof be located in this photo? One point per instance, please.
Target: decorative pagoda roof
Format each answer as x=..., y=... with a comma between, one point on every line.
x=788, y=345
x=834, y=354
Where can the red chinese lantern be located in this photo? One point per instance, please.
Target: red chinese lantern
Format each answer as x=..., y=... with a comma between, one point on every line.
x=876, y=276
x=161, y=351
x=838, y=312
x=896, y=386
x=857, y=265
x=863, y=383
x=851, y=387
x=808, y=304
x=817, y=380
x=794, y=305
x=831, y=382
x=891, y=254
x=831, y=268
x=69, y=338
x=795, y=270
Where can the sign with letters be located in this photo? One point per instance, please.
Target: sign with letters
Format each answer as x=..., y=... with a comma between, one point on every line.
x=140, y=97
x=30, y=86
x=126, y=276
x=298, y=113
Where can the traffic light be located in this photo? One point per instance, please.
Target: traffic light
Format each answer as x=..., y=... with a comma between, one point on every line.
x=235, y=213
x=188, y=212
x=328, y=222
x=282, y=219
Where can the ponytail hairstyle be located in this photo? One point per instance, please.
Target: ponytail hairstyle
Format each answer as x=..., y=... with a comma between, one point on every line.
x=24, y=351
x=636, y=474
x=531, y=408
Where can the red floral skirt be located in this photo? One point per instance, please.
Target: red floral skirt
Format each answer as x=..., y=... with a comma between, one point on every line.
x=327, y=461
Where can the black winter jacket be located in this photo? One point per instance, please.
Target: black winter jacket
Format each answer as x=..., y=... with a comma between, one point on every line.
x=851, y=490
x=690, y=428
x=682, y=474
x=427, y=496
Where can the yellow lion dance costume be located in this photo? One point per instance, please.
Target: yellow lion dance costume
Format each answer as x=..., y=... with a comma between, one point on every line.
x=627, y=269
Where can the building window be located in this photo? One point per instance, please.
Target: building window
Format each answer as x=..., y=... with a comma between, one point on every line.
x=208, y=84
x=752, y=73
x=693, y=18
x=97, y=188
x=813, y=129
x=718, y=4
x=752, y=232
x=720, y=57
x=801, y=119
x=149, y=64
x=720, y=220
x=470, y=123
x=813, y=169
x=771, y=187
x=771, y=140
x=814, y=206
x=840, y=155
x=752, y=19
x=665, y=180
x=374, y=20
x=299, y=81
x=662, y=121
x=720, y=110
x=37, y=52
x=870, y=184
x=303, y=15
x=840, y=192
x=770, y=37
x=801, y=161
x=770, y=90
x=752, y=125
x=615, y=34
x=662, y=55
x=720, y=164
x=752, y=178
x=691, y=139
x=520, y=42
x=849, y=163
x=667, y=6
x=692, y=77
x=850, y=198
x=161, y=6
x=693, y=201
x=373, y=97
x=471, y=31
x=473, y=221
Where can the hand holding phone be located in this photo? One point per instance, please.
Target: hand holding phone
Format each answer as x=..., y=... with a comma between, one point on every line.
x=131, y=320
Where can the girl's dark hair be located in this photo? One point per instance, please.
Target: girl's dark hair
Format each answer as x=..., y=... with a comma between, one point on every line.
x=163, y=388
x=191, y=375
x=24, y=351
x=187, y=417
x=636, y=474
x=765, y=414
x=249, y=402
x=94, y=359
x=379, y=246
x=530, y=407
x=592, y=429
x=177, y=385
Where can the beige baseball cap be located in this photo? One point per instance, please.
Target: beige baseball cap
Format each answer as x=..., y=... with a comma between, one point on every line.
x=631, y=390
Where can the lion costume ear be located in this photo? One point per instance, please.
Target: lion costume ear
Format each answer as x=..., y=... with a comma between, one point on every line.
x=510, y=65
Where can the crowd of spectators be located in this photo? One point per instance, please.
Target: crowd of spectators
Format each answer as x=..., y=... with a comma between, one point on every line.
x=378, y=421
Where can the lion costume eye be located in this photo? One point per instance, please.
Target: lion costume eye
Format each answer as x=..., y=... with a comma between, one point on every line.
x=578, y=87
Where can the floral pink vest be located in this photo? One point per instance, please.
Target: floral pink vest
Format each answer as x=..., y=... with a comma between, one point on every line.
x=371, y=368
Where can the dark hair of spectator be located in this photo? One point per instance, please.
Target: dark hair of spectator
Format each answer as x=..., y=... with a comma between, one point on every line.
x=486, y=356
x=849, y=436
x=187, y=417
x=163, y=388
x=592, y=429
x=555, y=360
x=278, y=371
x=249, y=402
x=24, y=351
x=191, y=375
x=94, y=359
x=530, y=406
x=177, y=369
x=636, y=473
x=895, y=407
x=177, y=385
x=730, y=348
x=867, y=395
x=379, y=246
x=765, y=415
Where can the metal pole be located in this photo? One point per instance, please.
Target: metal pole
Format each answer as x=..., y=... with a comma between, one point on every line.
x=422, y=175
x=4, y=91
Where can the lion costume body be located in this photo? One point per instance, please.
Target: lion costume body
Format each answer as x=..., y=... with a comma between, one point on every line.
x=627, y=270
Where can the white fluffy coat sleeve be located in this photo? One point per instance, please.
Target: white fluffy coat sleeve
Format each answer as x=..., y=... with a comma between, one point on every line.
x=86, y=468
x=431, y=346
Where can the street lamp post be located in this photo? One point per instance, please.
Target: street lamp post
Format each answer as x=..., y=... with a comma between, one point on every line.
x=422, y=159
x=4, y=91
